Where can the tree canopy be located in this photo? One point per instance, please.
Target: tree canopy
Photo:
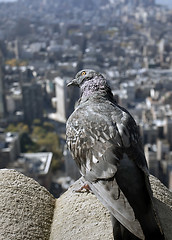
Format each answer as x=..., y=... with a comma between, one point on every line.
x=41, y=137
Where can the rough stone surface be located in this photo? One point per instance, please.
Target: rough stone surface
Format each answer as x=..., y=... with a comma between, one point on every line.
x=160, y=191
x=26, y=208
x=80, y=216
x=163, y=204
x=26, y=211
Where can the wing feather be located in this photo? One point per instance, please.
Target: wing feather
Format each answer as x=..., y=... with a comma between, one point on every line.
x=117, y=204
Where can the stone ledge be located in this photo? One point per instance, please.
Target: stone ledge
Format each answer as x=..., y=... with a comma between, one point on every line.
x=26, y=208
x=29, y=211
x=82, y=216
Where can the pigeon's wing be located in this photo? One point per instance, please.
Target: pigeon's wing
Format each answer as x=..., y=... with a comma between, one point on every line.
x=133, y=149
x=95, y=143
x=98, y=140
x=131, y=142
x=130, y=137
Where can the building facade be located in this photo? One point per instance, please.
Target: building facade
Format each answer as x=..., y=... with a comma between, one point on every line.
x=2, y=94
x=32, y=102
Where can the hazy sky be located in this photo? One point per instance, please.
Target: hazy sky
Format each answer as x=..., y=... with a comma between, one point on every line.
x=7, y=0
x=166, y=2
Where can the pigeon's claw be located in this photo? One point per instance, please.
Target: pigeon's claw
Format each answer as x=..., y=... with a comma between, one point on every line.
x=84, y=188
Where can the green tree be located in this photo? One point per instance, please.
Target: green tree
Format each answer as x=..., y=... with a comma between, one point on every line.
x=36, y=122
x=40, y=138
x=11, y=128
x=20, y=128
x=26, y=143
x=48, y=126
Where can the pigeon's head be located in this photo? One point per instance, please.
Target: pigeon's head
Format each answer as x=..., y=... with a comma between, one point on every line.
x=91, y=82
x=83, y=76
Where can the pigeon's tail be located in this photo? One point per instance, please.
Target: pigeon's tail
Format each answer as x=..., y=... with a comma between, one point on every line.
x=150, y=220
x=120, y=232
x=139, y=195
x=114, y=200
x=150, y=226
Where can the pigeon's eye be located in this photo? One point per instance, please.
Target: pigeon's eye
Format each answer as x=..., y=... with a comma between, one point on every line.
x=83, y=73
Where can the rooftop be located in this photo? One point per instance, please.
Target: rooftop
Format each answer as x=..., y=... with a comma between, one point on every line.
x=33, y=163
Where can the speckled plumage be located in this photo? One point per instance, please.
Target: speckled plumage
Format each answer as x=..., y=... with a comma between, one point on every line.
x=105, y=143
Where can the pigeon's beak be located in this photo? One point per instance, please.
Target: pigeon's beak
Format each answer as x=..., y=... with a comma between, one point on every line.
x=73, y=82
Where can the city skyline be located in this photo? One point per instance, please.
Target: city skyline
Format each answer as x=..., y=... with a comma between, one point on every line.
x=127, y=41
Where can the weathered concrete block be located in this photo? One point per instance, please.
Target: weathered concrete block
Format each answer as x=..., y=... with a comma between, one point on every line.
x=29, y=212
x=26, y=208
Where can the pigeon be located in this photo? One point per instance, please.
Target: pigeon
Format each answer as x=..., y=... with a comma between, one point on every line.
x=105, y=143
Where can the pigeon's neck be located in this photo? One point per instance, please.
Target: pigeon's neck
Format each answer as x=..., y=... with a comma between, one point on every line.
x=96, y=85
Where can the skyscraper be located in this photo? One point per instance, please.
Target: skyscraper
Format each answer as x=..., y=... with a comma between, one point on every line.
x=60, y=86
x=32, y=102
x=65, y=99
x=2, y=94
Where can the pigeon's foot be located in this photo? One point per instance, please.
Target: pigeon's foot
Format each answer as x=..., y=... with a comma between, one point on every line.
x=84, y=188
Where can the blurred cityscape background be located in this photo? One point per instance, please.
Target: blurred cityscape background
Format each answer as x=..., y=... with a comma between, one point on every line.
x=43, y=43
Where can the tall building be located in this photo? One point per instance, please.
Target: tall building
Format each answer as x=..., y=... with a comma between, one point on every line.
x=73, y=94
x=9, y=148
x=170, y=181
x=163, y=149
x=26, y=76
x=2, y=93
x=60, y=92
x=32, y=102
x=65, y=99
x=168, y=130
x=153, y=163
